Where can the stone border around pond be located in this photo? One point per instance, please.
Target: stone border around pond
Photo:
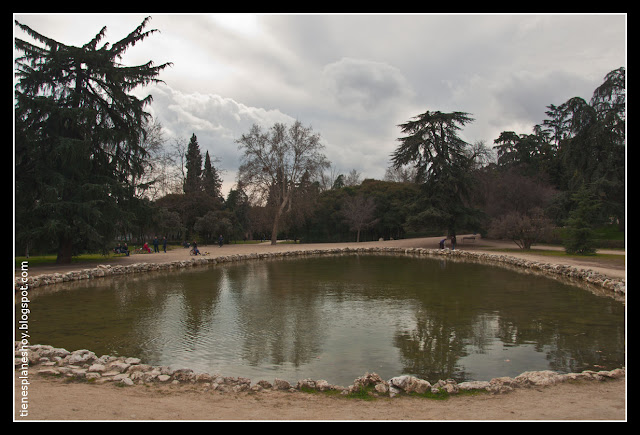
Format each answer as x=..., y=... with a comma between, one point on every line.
x=86, y=365
x=588, y=276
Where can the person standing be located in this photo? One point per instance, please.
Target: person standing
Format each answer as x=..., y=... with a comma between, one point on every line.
x=220, y=240
x=155, y=245
x=453, y=242
x=164, y=244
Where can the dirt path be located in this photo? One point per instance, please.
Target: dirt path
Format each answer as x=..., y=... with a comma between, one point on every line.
x=57, y=399
x=611, y=268
x=54, y=399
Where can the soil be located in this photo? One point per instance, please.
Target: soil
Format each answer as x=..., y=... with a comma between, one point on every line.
x=61, y=400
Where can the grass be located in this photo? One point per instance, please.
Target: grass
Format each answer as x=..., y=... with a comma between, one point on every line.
x=87, y=258
x=51, y=259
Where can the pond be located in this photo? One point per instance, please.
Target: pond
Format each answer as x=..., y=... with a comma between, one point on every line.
x=338, y=317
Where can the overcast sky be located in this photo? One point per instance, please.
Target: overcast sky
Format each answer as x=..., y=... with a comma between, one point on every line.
x=354, y=78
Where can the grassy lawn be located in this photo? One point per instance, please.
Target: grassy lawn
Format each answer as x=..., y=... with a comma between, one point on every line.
x=90, y=258
x=51, y=259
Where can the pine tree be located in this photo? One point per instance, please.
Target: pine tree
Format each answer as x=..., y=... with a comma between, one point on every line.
x=79, y=145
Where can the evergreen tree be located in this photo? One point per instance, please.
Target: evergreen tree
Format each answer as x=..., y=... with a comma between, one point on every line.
x=443, y=164
x=594, y=154
x=211, y=181
x=79, y=140
x=579, y=227
x=193, y=182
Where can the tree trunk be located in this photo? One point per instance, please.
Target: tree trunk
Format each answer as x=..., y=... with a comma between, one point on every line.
x=64, y=251
x=274, y=230
x=276, y=220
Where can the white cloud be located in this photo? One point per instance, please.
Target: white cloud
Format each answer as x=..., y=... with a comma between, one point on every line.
x=354, y=78
x=216, y=121
x=365, y=89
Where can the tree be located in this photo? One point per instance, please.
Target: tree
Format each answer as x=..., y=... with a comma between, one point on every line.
x=400, y=174
x=530, y=153
x=237, y=204
x=274, y=163
x=359, y=212
x=579, y=228
x=211, y=181
x=193, y=182
x=443, y=164
x=524, y=229
x=353, y=178
x=594, y=154
x=79, y=140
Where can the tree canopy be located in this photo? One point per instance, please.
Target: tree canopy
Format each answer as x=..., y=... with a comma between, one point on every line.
x=79, y=142
x=90, y=167
x=444, y=165
x=274, y=163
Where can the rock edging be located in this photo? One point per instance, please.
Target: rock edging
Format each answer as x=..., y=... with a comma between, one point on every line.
x=86, y=365
x=588, y=276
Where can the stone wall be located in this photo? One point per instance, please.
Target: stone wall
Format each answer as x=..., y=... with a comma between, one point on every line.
x=84, y=364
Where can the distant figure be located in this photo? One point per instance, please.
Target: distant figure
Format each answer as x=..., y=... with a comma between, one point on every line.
x=220, y=240
x=442, y=243
x=164, y=244
x=146, y=247
x=155, y=245
x=453, y=242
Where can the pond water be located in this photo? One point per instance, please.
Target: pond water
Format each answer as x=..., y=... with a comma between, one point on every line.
x=338, y=317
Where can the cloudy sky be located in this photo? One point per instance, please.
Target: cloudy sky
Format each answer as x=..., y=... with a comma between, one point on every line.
x=354, y=78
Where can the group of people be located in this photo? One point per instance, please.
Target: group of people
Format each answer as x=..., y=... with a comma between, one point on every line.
x=156, y=244
x=123, y=249
x=453, y=242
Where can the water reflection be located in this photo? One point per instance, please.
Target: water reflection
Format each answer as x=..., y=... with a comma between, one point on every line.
x=336, y=318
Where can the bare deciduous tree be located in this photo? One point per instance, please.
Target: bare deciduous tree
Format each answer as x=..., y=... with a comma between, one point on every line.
x=359, y=212
x=274, y=163
x=523, y=229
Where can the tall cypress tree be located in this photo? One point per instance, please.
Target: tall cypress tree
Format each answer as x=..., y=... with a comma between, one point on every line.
x=193, y=183
x=79, y=147
x=211, y=181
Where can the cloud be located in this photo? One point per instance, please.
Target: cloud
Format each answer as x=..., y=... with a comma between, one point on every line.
x=216, y=121
x=354, y=78
x=365, y=89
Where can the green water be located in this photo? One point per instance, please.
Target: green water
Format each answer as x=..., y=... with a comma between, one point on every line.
x=336, y=318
